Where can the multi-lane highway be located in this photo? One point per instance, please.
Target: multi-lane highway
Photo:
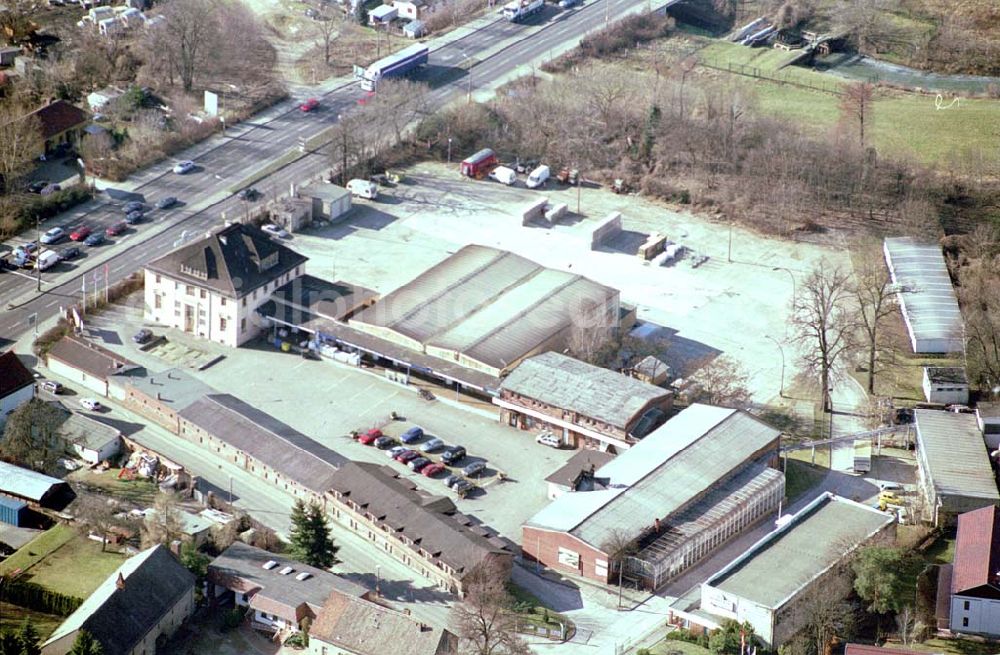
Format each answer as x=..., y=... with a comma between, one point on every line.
x=497, y=49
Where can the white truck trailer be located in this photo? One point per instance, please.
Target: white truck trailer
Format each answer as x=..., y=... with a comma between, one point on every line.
x=395, y=65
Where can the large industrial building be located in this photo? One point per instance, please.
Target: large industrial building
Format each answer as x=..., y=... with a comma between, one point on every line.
x=582, y=404
x=684, y=490
x=953, y=467
x=770, y=585
x=487, y=309
x=926, y=297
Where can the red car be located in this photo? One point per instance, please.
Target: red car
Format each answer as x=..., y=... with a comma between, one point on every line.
x=432, y=469
x=80, y=233
x=406, y=456
x=368, y=438
x=309, y=105
x=116, y=229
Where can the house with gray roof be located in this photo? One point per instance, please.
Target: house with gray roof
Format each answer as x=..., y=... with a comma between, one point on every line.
x=260, y=443
x=427, y=533
x=93, y=441
x=86, y=363
x=583, y=404
x=134, y=610
x=953, y=467
x=355, y=627
x=277, y=592
x=771, y=583
x=212, y=286
x=33, y=487
x=159, y=396
x=699, y=480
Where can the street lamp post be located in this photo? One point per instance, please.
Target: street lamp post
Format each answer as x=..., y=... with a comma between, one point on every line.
x=791, y=276
x=449, y=150
x=378, y=581
x=781, y=388
x=38, y=251
x=343, y=141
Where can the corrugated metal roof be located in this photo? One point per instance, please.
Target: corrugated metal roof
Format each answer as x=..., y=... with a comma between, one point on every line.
x=490, y=305
x=25, y=483
x=661, y=474
x=955, y=452
x=568, y=383
x=977, y=550
x=927, y=298
x=790, y=557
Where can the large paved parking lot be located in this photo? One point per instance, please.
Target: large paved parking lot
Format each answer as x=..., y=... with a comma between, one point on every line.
x=326, y=400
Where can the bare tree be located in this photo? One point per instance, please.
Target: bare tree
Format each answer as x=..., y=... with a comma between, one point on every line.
x=618, y=546
x=20, y=143
x=401, y=103
x=29, y=435
x=164, y=524
x=186, y=36
x=592, y=336
x=979, y=295
x=822, y=319
x=485, y=619
x=856, y=106
x=872, y=291
x=724, y=382
x=326, y=28
x=97, y=514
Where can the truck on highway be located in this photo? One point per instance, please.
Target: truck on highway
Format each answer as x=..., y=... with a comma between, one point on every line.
x=518, y=10
x=394, y=65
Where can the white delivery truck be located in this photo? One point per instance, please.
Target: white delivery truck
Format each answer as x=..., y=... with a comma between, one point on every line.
x=47, y=259
x=363, y=188
x=504, y=175
x=538, y=177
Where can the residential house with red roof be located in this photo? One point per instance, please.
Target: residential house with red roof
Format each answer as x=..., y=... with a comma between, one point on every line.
x=868, y=649
x=60, y=122
x=975, y=574
x=17, y=384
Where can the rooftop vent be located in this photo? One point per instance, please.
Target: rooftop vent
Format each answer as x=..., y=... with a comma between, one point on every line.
x=268, y=565
x=305, y=575
x=286, y=570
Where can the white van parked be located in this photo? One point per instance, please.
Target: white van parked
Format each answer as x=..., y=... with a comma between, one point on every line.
x=363, y=188
x=504, y=175
x=538, y=177
x=47, y=259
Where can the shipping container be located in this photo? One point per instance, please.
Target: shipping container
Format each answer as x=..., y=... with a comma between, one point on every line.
x=14, y=512
x=480, y=164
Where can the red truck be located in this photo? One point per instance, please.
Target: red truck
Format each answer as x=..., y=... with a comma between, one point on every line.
x=480, y=164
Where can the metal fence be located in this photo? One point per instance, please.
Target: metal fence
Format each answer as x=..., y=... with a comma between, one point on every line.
x=792, y=78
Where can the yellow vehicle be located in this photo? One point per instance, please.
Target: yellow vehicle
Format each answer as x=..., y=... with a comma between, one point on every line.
x=889, y=498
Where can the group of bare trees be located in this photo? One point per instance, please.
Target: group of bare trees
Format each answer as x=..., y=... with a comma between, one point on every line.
x=837, y=314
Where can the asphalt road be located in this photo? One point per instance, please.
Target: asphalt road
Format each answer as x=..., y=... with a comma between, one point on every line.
x=251, y=145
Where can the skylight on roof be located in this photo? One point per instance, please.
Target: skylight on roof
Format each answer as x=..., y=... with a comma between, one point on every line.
x=305, y=575
x=286, y=570
x=268, y=565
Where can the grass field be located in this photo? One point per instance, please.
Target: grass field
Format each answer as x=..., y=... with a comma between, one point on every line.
x=677, y=647
x=766, y=62
x=801, y=476
x=62, y=560
x=11, y=616
x=136, y=491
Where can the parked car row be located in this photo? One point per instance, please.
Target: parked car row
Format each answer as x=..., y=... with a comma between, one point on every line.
x=414, y=457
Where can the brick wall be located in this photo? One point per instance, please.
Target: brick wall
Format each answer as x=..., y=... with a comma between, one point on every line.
x=544, y=546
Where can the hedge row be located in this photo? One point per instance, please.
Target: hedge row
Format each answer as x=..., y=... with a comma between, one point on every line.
x=40, y=599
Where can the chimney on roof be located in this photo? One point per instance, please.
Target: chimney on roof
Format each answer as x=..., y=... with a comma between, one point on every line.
x=424, y=627
x=406, y=611
x=656, y=525
x=158, y=395
x=120, y=582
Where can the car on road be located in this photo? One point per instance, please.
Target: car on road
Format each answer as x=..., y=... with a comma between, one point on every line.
x=142, y=336
x=79, y=233
x=566, y=4
x=166, y=203
x=474, y=468
x=453, y=455
x=116, y=228
x=91, y=404
x=183, y=167
x=25, y=249
x=133, y=206
x=249, y=194
x=406, y=456
x=395, y=450
x=368, y=438
x=548, y=439
x=418, y=463
x=36, y=187
x=452, y=480
x=413, y=434
x=274, y=230
x=309, y=105
x=134, y=217
x=383, y=443
x=72, y=252
x=431, y=445
x=95, y=239
x=52, y=386
x=53, y=235
x=462, y=487
x=432, y=469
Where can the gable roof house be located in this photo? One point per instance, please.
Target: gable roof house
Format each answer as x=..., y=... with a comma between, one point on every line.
x=59, y=122
x=86, y=363
x=975, y=574
x=135, y=608
x=17, y=384
x=280, y=592
x=213, y=286
x=356, y=627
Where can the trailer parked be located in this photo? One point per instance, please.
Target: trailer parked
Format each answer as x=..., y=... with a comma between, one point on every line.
x=480, y=164
x=518, y=10
x=397, y=65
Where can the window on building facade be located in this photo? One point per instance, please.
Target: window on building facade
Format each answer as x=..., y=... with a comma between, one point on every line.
x=222, y=322
x=222, y=301
x=244, y=302
x=201, y=293
x=243, y=325
x=189, y=290
x=157, y=301
x=965, y=622
x=158, y=280
x=965, y=605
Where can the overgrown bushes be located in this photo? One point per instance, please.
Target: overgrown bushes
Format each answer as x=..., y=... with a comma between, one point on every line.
x=24, y=211
x=40, y=599
x=622, y=36
x=48, y=338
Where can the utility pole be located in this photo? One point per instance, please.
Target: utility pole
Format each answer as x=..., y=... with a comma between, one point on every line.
x=343, y=141
x=38, y=251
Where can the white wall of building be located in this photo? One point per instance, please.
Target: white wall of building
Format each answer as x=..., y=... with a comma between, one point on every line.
x=95, y=384
x=97, y=455
x=975, y=615
x=11, y=402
